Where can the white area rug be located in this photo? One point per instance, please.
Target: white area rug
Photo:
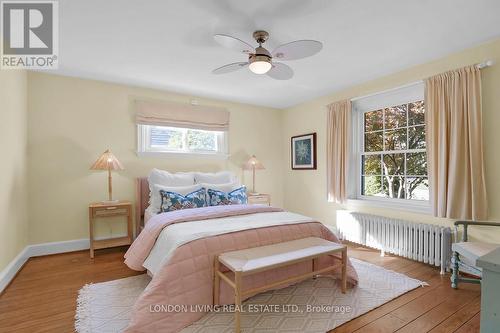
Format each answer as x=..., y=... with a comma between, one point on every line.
x=310, y=306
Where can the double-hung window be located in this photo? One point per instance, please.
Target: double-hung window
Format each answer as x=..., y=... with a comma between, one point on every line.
x=390, y=148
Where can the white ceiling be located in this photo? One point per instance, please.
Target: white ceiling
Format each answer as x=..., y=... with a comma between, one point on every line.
x=168, y=44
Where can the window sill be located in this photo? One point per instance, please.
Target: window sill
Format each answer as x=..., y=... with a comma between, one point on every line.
x=164, y=154
x=422, y=207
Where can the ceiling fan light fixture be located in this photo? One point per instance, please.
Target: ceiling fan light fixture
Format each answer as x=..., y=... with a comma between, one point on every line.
x=260, y=64
x=261, y=61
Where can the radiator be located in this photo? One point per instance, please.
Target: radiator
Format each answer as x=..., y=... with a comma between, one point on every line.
x=427, y=243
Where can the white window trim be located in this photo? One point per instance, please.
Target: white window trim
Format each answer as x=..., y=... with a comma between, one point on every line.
x=355, y=198
x=144, y=151
x=421, y=207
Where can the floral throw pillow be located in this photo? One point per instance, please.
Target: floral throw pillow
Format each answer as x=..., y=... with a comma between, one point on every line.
x=235, y=197
x=171, y=201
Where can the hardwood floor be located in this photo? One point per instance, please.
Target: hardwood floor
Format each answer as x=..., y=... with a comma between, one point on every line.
x=435, y=308
x=42, y=298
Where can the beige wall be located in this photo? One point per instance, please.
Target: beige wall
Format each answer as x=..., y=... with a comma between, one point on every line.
x=13, y=186
x=305, y=191
x=72, y=121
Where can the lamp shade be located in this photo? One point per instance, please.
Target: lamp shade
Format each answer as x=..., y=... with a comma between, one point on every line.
x=253, y=163
x=107, y=161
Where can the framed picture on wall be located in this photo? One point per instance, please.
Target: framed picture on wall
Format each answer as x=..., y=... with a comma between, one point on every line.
x=304, y=152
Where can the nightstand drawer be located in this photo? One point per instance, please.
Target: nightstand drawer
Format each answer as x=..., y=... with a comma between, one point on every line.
x=256, y=198
x=110, y=211
x=259, y=199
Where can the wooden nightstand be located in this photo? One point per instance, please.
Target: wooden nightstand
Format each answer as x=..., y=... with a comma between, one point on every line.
x=99, y=210
x=261, y=198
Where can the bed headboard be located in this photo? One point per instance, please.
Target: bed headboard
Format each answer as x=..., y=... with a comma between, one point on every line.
x=141, y=202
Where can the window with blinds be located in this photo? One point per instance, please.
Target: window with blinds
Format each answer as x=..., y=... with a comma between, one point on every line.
x=174, y=128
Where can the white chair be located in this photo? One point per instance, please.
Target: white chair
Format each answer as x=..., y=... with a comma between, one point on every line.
x=465, y=254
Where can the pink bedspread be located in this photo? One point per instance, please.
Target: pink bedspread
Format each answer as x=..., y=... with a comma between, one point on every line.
x=187, y=279
x=140, y=248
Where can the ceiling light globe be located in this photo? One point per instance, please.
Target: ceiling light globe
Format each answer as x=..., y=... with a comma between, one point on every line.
x=260, y=63
x=260, y=67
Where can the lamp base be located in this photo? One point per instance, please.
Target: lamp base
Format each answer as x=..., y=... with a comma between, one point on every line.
x=254, y=193
x=110, y=202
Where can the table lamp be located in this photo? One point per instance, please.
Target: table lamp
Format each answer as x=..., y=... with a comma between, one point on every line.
x=253, y=164
x=108, y=161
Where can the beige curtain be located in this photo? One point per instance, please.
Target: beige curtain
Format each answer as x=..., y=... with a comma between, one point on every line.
x=337, y=154
x=182, y=115
x=455, y=144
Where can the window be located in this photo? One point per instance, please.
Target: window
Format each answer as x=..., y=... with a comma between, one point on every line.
x=389, y=155
x=393, y=156
x=176, y=140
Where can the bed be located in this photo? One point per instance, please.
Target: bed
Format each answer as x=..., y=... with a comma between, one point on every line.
x=178, y=250
x=141, y=203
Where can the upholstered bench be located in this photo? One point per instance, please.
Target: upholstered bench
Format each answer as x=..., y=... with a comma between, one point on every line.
x=258, y=259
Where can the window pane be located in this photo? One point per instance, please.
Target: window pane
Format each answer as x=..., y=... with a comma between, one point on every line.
x=395, y=139
x=201, y=140
x=372, y=185
x=394, y=164
x=416, y=113
x=395, y=116
x=373, y=141
x=417, y=188
x=394, y=187
x=416, y=164
x=372, y=165
x=165, y=137
x=396, y=170
x=373, y=121
x=417, y=137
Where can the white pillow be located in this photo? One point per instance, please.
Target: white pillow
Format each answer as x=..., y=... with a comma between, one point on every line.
x=165, y=178
x=182, y=190
x=223, y=177
x=226, y=188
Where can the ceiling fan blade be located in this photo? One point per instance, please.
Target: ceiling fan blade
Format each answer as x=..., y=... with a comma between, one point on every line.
x=280, y=71
x=230, y=68
x=234, y=43
x=297, y=50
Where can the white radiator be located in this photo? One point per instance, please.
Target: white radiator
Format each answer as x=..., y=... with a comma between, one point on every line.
x=427, y=243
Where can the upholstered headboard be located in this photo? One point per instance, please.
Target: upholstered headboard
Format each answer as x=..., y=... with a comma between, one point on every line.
x=141, y=203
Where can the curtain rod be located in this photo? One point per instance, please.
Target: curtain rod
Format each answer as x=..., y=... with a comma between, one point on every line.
x=387, y=90
x=484, y=64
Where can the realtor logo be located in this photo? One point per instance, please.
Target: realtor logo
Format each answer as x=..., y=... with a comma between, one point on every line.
x=29, y=34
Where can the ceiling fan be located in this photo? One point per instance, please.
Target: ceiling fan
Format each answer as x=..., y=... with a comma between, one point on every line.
x=261, y=61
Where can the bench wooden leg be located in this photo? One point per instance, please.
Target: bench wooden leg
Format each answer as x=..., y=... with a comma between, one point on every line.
x=216, y=281
x=344, y=270
x=315, y=266
x=237, y=301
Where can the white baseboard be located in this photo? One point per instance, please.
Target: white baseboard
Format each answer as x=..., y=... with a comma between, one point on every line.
x=9, y=272
x=44, y=249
